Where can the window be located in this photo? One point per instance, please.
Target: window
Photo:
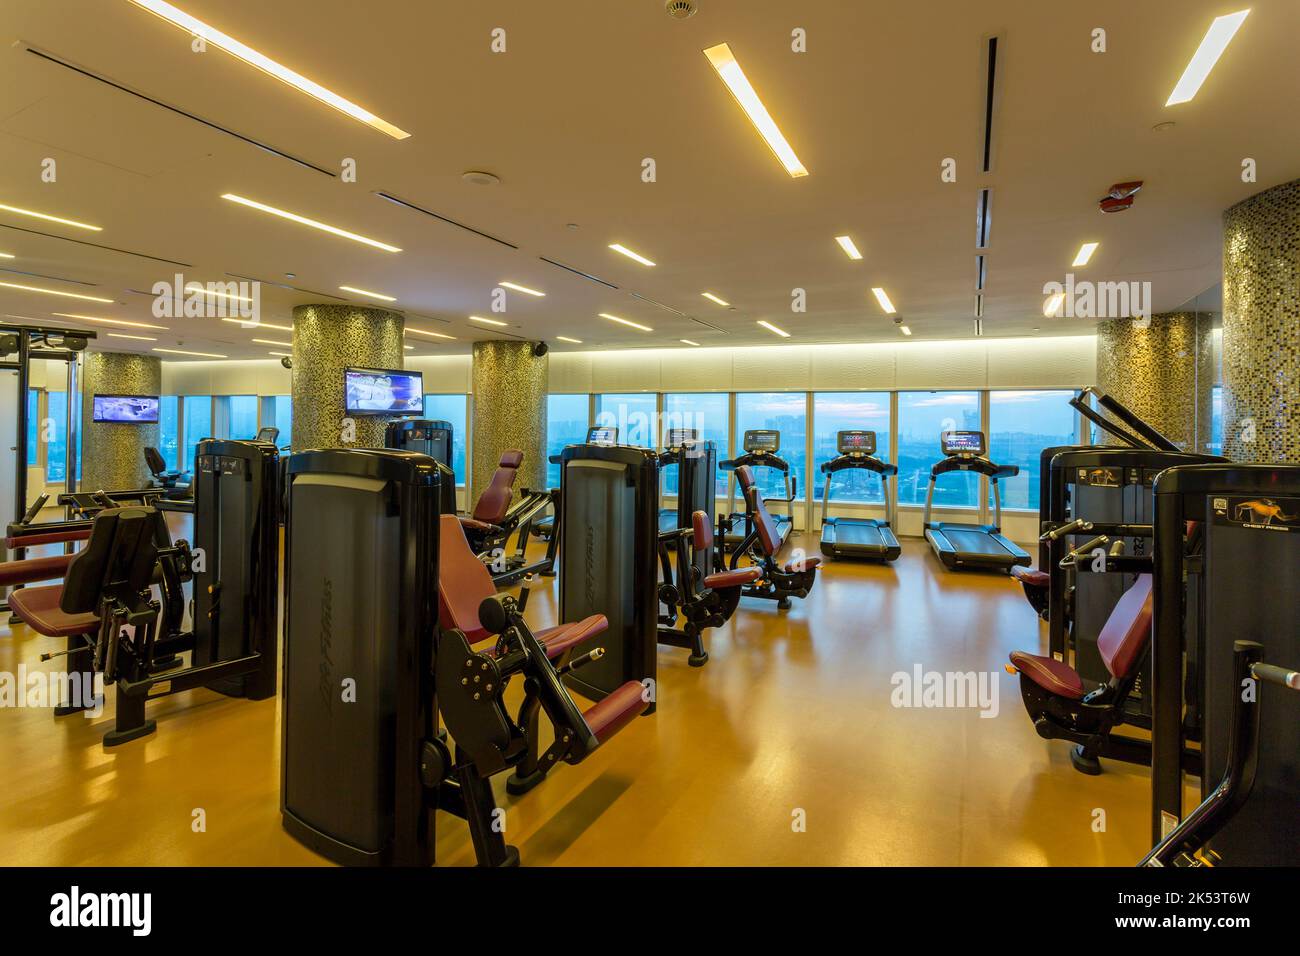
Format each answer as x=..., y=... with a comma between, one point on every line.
x=198, y=425
x=787, y=412
x=709, y=414
x=242, y=412
x=33, y=427
x=922, y=416
x=632, y=414
x=451, y=408
x=1021, y=425
x=168, y=435
x=566, y=424
x=834, y=412
x=1216, y=421
x=56, y=450
x=280, y=415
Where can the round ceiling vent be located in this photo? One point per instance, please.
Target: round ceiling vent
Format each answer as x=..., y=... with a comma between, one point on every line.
x=681, y=9
x=479, y=178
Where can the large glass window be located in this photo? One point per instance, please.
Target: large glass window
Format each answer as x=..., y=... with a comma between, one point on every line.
x=566, y=424
x=33, y=427
x=450, y=408
x=834, y=412
x=922, y=417
x=168, y=432
x=198, y=425
x=1021, y=425
x=1216, y=421
x=56, y=449
x=633, y=414
x=243, y=416
x=787, y=412
x=707, y=413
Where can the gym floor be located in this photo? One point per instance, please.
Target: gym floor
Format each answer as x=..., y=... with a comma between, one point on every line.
x=785, y=749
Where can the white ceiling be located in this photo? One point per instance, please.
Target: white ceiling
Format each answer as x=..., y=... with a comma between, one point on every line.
x=586, y=90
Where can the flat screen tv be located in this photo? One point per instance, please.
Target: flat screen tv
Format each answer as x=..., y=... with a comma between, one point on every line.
x=128, y=409
x=377, y=391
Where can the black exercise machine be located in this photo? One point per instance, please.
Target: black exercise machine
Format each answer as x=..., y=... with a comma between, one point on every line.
x=870, y=539
x=761, y=448
x=963, y=546
x=778, y=582
x=495, y=520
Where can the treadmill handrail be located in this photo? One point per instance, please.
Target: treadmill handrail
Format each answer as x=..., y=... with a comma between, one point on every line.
x=883, y=469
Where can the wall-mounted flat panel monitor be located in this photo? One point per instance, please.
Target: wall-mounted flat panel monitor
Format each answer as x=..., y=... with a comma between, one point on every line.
x=602, y=435
x=763, y=439
x=856, y=442
x=126, y=409
x=962, y=443
x=377, y=391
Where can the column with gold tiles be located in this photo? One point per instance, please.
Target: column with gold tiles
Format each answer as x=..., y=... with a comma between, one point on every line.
x=509, y=411
x=112, y=453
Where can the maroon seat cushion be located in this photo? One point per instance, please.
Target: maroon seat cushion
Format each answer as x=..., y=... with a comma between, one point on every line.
x=732, y=579
x=1124, y=636
x=463, y=582
x=38, y=608
x=804, y=564
x=1031, y=576
x=1049, y=674
x=769, y=539
x=494, y=503
x=701, y=531
x=617, y=710
x=562, y=637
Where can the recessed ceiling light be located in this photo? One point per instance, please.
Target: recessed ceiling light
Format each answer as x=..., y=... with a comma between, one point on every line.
x=123, y=335
x=183, y=352
x=1085, y=253
x=689, y=342
x=304, y=221
x=273, y=342
x=409, y=348
x=521, y=288
x=635, y=325
x=67, y=295
x=198, y=28
x=436, y=335
x=724, y=61
x=5, y=255
x=772, y=328
x=49, y=218
x=475, y=318
x=259, y=324
x=850, y=249
x=618, y=247
x=905, y=330
x=374, y=295
x=713, y=298
x=477, y=177
x=1216, y=40
x=281, y=354
x=95, y=318
x=565, y=338
x=196, y=287
x=1053, y=303
x=883, y=299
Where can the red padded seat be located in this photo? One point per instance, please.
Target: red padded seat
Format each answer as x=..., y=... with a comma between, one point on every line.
x=1128, y=628
x=617, y=710
x=805, y=564
x=1049, y=674
x=494, y=503
x=733, y=579
x=1031, y=576
x=38, y=608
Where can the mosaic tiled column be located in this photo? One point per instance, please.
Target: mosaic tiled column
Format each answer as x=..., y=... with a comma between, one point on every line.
x=509, y=408
x=1261, y=327
x=112, y=454
x=1163, y=371
x=326, y=340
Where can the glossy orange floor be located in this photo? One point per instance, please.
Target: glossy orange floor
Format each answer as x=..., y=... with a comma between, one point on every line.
x=790, y=720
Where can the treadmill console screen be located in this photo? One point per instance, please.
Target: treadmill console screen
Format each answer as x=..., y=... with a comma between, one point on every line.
x=602, y=435
x=856, y=442
x=962, y=443
x=677, y=437
x=763, y=439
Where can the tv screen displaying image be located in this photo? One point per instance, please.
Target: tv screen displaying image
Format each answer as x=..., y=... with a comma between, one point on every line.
x=377, y=391
x=130, y=409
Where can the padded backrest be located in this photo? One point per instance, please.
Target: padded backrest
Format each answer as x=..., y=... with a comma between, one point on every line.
x=494, y=503
x=1126, y=632
x=701, y=531
x=766, y=527
x=463, y=582
x=154, y=460
x=745, y=477
x=121, y=552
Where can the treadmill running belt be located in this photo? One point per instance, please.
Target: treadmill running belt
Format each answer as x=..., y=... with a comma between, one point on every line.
x=973, y=541
x=852, y=534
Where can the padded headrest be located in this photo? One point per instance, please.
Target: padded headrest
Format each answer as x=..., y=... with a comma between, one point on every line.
x=1126, y=632
x=702, y=531
x=745, y=475
x=511, y=458
x=121, y=552
x=494, y=503
x=463, y=582
x=154, y=460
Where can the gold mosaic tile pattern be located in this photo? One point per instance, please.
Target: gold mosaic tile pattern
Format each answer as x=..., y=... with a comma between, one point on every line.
x=112, y=454
x=509, y=409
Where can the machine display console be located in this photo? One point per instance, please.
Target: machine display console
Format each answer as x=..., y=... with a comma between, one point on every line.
x=962, y=443
x=602, y=435
x=677, y=437
x=763, y=439
x=856, y=442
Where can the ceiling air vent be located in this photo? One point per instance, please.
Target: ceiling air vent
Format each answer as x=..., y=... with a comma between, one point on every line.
x=983, y=221
x=681, y=9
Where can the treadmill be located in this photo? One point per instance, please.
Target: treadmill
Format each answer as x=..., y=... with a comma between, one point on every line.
x=867, y=539
x=674, y=442
x=963, y=547
x=760, y=447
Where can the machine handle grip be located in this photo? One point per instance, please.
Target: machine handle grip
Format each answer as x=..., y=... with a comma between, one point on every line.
x=1078, y=524
x=595, y=654
x=35, y=509
x=1277, y=675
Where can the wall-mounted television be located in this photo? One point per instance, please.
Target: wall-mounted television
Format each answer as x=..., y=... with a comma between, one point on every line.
x=378, y=391
x=128, y=409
